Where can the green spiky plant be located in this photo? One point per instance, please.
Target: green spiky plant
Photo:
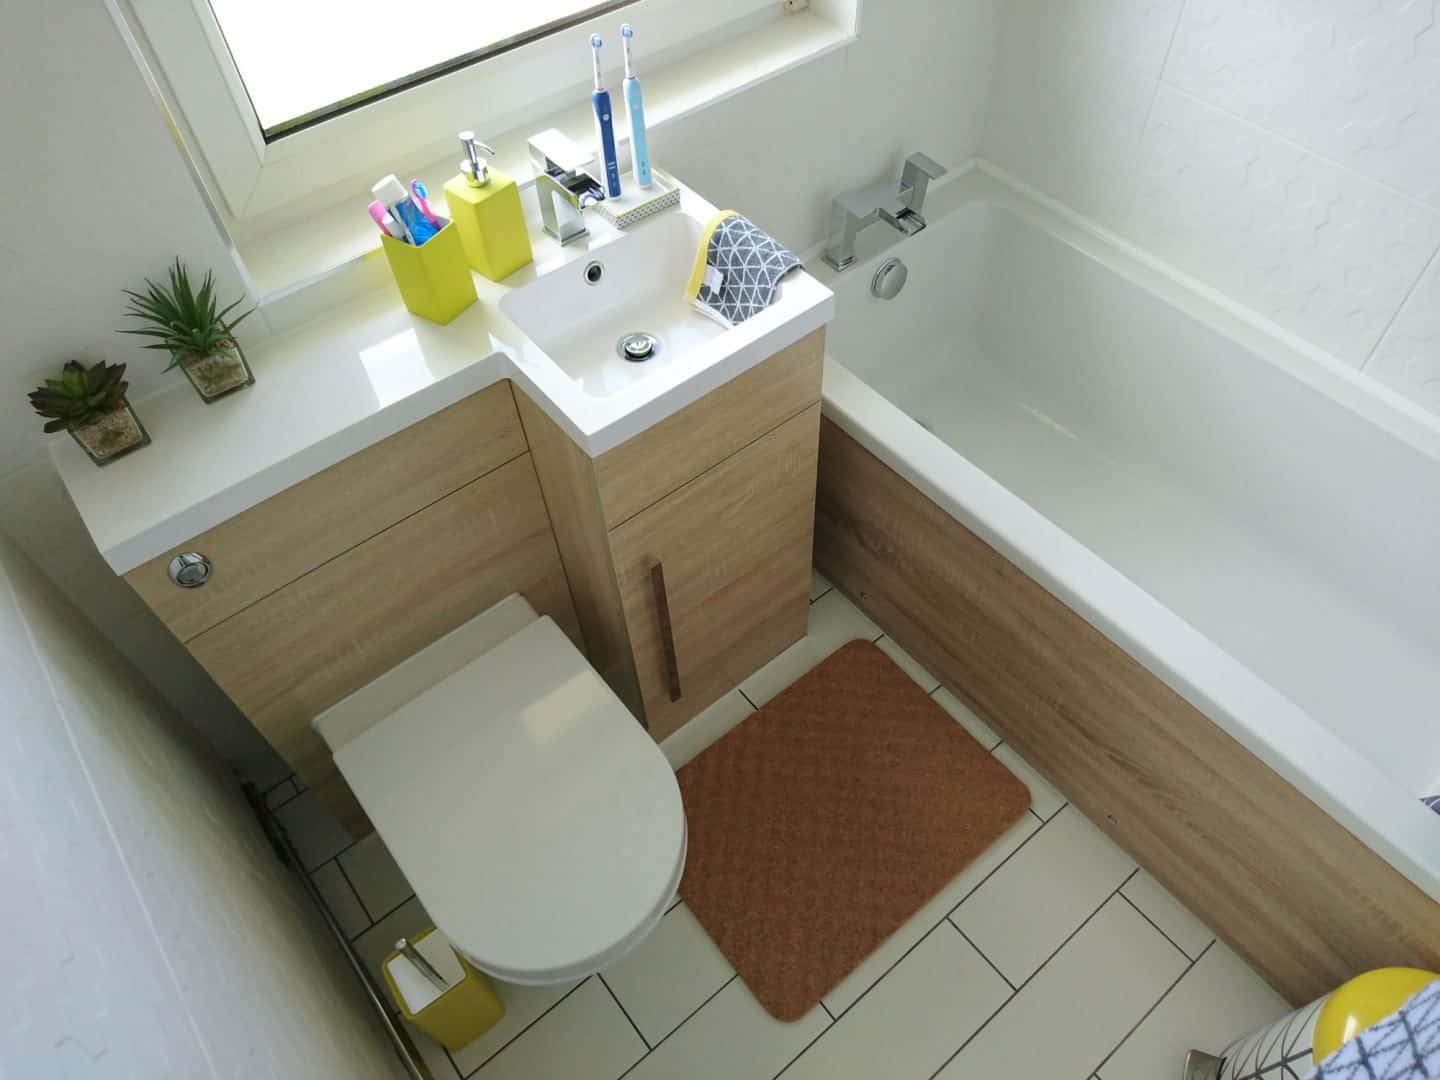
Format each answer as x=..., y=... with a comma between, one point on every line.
x=81, y=395
x=184, y=321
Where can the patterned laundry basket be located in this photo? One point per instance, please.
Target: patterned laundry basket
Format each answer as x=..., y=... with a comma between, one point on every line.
x=1291, y=1047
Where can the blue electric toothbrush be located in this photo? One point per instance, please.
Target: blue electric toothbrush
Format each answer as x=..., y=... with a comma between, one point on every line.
x=600, y=99
x=635, y=107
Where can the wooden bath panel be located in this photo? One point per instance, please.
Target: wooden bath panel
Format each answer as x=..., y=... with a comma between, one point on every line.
x=1295, y=893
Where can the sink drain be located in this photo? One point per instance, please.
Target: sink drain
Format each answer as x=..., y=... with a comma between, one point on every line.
x=637, y=347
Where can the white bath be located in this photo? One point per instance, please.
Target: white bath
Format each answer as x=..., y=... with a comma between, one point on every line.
x=1254, y=522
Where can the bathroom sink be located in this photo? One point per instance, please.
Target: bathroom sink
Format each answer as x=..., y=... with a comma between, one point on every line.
x=629, y=291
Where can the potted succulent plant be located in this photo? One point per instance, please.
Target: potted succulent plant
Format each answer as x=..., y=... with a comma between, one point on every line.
x=90, y=404
x=200, y=339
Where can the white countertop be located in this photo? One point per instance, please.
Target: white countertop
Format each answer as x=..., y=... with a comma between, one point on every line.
x=360, y=374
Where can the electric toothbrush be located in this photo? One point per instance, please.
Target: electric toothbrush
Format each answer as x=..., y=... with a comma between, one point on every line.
x=600, y=99
x=635, y=107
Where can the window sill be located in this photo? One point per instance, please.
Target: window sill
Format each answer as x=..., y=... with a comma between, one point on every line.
x=329, y=248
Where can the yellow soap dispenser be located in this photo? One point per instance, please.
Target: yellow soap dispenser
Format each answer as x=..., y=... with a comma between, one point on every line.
x=485, y=206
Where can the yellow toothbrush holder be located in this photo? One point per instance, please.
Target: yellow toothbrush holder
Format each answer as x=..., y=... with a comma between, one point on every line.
x=434, y=278
x=459, y=1015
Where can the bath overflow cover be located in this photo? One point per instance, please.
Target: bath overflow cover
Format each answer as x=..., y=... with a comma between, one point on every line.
x=889, y=279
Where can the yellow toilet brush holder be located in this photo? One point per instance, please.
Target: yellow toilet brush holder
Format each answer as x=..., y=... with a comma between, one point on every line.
x=456, y=1016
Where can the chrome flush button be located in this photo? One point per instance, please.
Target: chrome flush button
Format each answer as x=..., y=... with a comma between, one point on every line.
x=190, y=570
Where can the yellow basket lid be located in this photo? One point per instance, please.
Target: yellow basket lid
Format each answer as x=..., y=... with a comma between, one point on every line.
x=1364, y=1000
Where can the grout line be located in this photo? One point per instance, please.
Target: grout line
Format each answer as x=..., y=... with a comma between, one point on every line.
x=827, y=1010
x=1033, y=974
x=747, y=698
x=393, y=910
x=973, y=1036
x=284, y=802
x=272, y=787
x=1400, y=310
x=943, y=918
x=621, y=1006
x=982, y=953
x=1136, y=1027
x=358, y=898
x=805, y=1049
x=511, y=1041
x=1292, y=143
x=1071, y=936
x=1141, y=912
x=682, y=1023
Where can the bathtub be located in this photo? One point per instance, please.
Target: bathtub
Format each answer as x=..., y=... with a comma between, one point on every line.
x=1254, y=522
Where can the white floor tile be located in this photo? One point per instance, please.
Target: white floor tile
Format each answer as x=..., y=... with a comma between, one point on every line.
x=1171, y=916
x=983, y=732
x=819, y=585
x=668, y=975
x=685, y=743
x=378, y=881
x=1044, y=799
x=914, y=1018
x=894, y=947
x=1035, y=901
x=280, y=794
x=1080, y=1005
x=432, y=1053
x=340, y=898
x=585, y=1037
x=524, y=1005
x=1218, y=1000
x=313, y=830
x=908, y=664
x=731, y=1038
x=833, y=622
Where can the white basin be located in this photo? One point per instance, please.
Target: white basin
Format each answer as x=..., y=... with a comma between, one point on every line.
x=577, y=314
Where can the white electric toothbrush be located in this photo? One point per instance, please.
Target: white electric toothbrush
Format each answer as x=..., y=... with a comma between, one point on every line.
x=604, y=129
x=635, y=107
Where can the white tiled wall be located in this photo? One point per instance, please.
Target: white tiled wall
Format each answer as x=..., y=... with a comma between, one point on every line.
x=1285, y=153
x=157, y=935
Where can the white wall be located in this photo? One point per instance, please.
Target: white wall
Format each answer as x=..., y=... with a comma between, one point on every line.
x=107, y=201
x=1285, y=153
x=917, y=80
x=157, y=935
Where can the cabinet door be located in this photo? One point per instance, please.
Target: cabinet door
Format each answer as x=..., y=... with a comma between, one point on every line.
x=732, y=589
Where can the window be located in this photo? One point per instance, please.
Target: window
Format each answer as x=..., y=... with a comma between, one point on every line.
x=368, y=52
x=292, y=108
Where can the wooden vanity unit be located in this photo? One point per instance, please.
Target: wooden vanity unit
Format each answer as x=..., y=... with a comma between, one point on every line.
x=332, y=582
x=686, y=548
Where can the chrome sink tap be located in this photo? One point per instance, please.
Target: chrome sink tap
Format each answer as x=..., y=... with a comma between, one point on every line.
x=564, y=185
x=898, y=205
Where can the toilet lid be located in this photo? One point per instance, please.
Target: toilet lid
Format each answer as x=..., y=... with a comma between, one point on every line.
x=537, y=821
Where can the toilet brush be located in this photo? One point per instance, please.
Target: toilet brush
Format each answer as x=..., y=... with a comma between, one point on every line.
x=405, y=949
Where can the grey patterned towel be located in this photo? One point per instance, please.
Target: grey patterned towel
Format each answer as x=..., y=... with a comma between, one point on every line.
x=1432, y=801
x=1403, y=1046
x=742, y=270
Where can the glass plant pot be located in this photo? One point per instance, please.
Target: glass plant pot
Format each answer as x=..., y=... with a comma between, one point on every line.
x=218, y=374
x=111, y=436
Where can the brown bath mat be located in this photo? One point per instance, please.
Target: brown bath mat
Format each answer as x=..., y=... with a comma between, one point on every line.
x=825, y=820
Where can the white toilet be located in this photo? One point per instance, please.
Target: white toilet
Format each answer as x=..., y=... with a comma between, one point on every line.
x=537, y=821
